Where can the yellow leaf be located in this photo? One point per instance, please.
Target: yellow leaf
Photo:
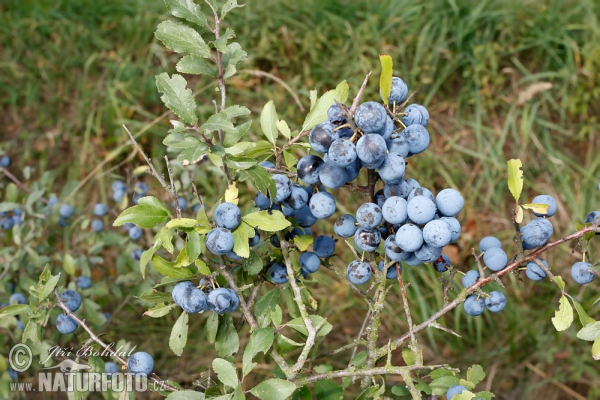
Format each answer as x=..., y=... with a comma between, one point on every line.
x=537, y=208
x=596, y=350
x=231, y=194
x=519, y=217
x=515, y=178
x=385, y=80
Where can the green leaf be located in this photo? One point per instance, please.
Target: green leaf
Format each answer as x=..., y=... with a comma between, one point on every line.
x=46, y=286
x=515, y=178
x=166, y=268
x=211, y=327
x=146, y=256
x=408, y=356
x=182, y=259
x=160, y=310
x=225, y=372
x=563, y=317
x=32, y=333
x=177, y=97
x=298, y=325
x=559, y=281
x=227, y=341
x=240, y=242
x=240, y=162
x=232, y=56
x=181, y=223
x=399, y=390
x=154, y=296
x=260, y=341
x=142, y=215
x=583, y=317
x=590, y=332
x=465, y=395
x=302, y=393
x=263, y=180
x=274, y=389
x=69, y=264
x=484, y=395
x=181, y=140
x=537, y=208
x=15, y=309
x=290, y=159
x=232, y=138
x=228, y=6
x=385, y=80
x=179, y=334
x=188, y=10
x=596, y=350
x=475, y=374
x=186, y=395
x=202, y=267
x=165, y=235
x=441, y=385
x=327, y=390
x=221, y=43
x=193, y=245
x=318, y=113
x=217, y=122
x=262, y=220
x=285, y=344
x=303, y=241
x=253, y=264
x=283, y=127
x=264, y=306
x=182, y=39
x=268, y=121
x=195, y=66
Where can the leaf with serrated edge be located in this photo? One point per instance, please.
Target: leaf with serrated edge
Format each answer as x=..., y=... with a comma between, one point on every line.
x=563, y=317
x=385, y=80
x=475, y=374
x=179, y=334
x=273, y=389
x=515, y=178
x=252, y=265
x=260, y=341
x=15, y=309
x=233, y=138
x=262, y=220
x=228, y=6
x=160, y=310
x=182, y=39
x=240, y=242
x=268, y=121
x=188, y=10
x=177, y=97
x=225, y=372
x=181, y=223
x=318, y=113
x=179, y=140
x=283, y=127
x=153, y=202
x=194, y=66
x=143, y=216
x=186, y=395
x=166, y=268
x=217, y=122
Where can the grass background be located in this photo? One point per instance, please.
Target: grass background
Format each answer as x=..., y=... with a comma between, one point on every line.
x=509, y=79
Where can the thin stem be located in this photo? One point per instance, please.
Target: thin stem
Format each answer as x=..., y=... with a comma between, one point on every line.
x=20, y=184
x=414, y=345
x=359, y=95
x=153, y=170
x=173, y=188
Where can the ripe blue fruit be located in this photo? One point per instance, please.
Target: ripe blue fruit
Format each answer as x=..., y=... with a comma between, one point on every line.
x=298, y=198
x=180, y=290
x=442, y=264
x=219, y=300
x=308, y=168
x=110, y=368
x=324, y=246
x=470, y=278
x=412, y=184
x=391, y=272
x=253, y=241
x=420, y=210
x=399, y=189
x=409, y=238
x=71, y=299
x=118, y=195
x=420, y=191
x=393, y=168
x=437, y=233
x=496, y=302
x=16, y=298
x=495, y=259
x=449, y=202
x=65, y=324
x=194, y=300
x=235, y=300
x=97, y=225
x=266, y=164
x=399, y=146
x=394, y=210
x=370, y=117
x=489, y=242
x=371, y=150
x=322, y=205
x=367, y=239
x=380, y=198
x=416, y=114
x=182, y=203
x=398, y=93
x=228, y=215
x=534, y=272
x=84, y=282
x=135, y=233
x=322, y=136
x=7, y=223
x=118, y=185
x=454, y=390
x=309, y=262
x=545, y=199
x=219, y=241
x=141, y=189
x=455, y=227
x=592, y=217
x=65, y=210
x=428, y=253
x=388, y=130
x=262, y=201
x=393, y=251
x=332, y=176
x=335, y=116
x=283, y=186
x=232, y=255
x=413, y=260
x=536, y=233
x=369, y=215
x=417, y=138
x=353, y=170
x=140, y=363
x=474, y=306
x=342, y=153
x=345, y=226
x=100, y=209
x=136, y=254
x=359, y=272
x=581, y=273
x=305, y=218
x=278, y=273
x=5, y=161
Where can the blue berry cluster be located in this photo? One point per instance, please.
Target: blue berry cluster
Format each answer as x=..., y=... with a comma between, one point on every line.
x=194, y=300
